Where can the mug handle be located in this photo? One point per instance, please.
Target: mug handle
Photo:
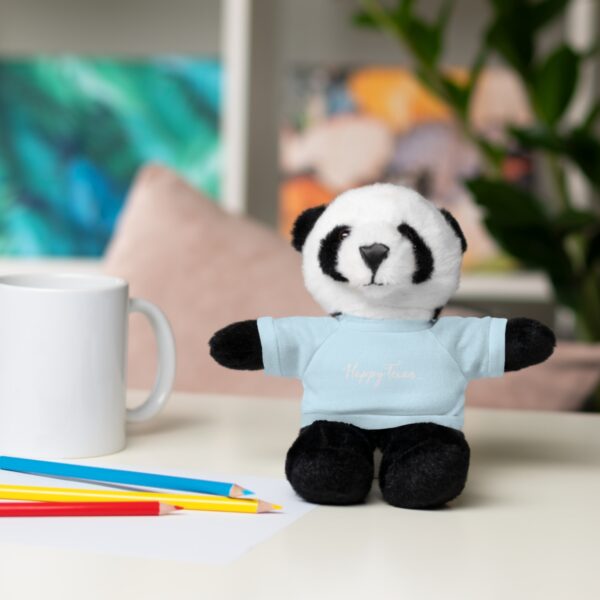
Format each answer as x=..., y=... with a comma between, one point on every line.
x=166, y=361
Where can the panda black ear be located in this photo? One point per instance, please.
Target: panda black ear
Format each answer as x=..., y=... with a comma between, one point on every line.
x=456, y=227
x=303, y=225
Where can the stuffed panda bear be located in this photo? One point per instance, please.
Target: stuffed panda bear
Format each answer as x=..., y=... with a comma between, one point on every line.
x=383, y=370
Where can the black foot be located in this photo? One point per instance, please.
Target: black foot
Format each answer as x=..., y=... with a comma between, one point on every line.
x=424, y=465
x=331, y=463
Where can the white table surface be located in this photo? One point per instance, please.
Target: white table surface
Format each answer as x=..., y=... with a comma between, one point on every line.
x=528, y=525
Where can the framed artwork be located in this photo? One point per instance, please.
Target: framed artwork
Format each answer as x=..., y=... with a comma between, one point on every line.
x=74, y=130
x=346, y=127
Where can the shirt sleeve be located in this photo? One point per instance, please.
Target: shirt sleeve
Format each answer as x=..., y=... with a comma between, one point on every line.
x=289, y=344
x=476, y=344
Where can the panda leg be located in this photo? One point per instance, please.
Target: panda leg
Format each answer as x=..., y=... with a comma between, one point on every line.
x=424, y=465
x=331, y=463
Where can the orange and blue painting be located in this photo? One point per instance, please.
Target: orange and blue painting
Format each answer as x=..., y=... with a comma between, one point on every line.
x=345, y=127
x=74, y=130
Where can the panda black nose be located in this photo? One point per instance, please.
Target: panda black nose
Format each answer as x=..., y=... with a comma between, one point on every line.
x=374, y=255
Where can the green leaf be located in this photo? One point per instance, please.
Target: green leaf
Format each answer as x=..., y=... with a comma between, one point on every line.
x=404, y=11
x=510, y=35
x=538, y=14
x=537, y=138
x=453, y=94
x=364, y=19
x=593, y=251
x=545, y=12
x=514, y=26
x=535, y=248
x=518, y=223
x=583, y=148
x=580, y=146
x=425, y=78
x=424, y=40
x=554, y=82
x=495, y=153
x=507, y=203
x=456, y=95
x=571, y=220
x=502, y=6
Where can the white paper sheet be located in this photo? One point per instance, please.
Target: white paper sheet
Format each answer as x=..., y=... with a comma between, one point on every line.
x=191, y=536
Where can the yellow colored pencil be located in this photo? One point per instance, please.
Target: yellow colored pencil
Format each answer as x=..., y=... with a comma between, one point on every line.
x=187, y=501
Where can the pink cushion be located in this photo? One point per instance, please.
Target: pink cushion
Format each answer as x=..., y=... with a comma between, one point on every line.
x=205, y=269
x=563, y=382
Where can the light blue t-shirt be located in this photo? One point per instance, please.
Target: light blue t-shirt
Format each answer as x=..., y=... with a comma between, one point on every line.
x=382, y=373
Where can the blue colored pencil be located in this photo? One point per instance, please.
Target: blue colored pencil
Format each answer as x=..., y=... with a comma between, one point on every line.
x=133, y=478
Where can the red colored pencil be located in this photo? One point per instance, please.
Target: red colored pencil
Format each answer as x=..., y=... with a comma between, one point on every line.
x=84, y=509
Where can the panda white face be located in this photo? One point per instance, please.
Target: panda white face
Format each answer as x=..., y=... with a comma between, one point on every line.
x=380, y=251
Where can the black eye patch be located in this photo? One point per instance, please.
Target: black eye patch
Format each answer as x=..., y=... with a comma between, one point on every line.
x=422, y=253
x=328, y=253
x=455, y=227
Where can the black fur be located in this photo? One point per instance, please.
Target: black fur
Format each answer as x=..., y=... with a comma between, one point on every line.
x=456, y=227
x=303, y=225
x=436, y=313
x=328, y=254
x=238, y=346
x=331, y=463
x=422, y=253
x=424, y=465
x=528, y=342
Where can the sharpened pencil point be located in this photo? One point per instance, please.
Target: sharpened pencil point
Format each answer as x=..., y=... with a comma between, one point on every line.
x=263, y=507
x=236, y=491
x=165, y=509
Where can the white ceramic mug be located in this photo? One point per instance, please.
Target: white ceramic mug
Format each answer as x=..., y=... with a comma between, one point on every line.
x=63, y=358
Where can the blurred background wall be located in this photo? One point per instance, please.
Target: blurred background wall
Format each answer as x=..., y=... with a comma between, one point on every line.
x=286, y=34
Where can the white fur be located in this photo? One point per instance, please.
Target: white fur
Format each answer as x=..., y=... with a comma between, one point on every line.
x=374, y=213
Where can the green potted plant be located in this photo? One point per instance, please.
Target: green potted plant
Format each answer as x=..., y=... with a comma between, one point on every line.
x=550, y=232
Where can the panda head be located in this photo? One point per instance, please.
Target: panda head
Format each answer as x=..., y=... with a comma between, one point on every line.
x=380, y=251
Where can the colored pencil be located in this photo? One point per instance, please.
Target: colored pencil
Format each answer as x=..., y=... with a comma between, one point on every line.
x=135, y=478
x=188, y=501
x=85, y=509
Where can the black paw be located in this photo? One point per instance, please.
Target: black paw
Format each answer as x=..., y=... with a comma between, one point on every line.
x=423, y=466
x=331, y=463
x=238, y=346
x=528, y=342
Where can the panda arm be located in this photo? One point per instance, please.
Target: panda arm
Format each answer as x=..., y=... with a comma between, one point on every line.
x=528, y=342
x=238, y=346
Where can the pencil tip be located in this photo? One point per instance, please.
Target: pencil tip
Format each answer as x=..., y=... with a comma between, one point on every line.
x=263, y=507
x=165, y=509
x=237, y=491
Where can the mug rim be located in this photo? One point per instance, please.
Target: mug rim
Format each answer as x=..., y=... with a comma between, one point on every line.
x=50, y=282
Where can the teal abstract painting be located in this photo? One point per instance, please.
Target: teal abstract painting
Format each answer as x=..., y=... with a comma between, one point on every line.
x=74, y=130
